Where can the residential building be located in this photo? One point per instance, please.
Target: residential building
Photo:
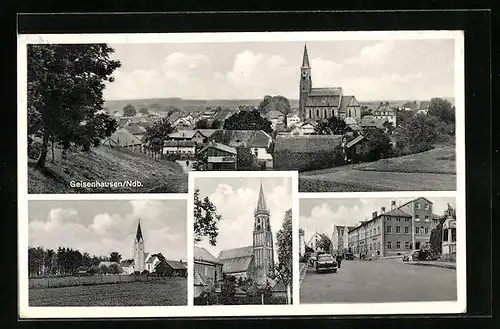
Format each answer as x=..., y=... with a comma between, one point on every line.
x=292, y=120
x=257, y=141
x=151, y=262
x=385, y=112
x=314, y=241
x=123, y=138
x=371, y=122
x=340, y=239
x=323, y=103
x=275, y=117
x=422, y=220
x=207, y=269
x=182, y=135
x=255, y=261
x=203, y=136
x=179, y=147
x=304, y=128
x=176, y=268
x=127, y=266
x=218, y=156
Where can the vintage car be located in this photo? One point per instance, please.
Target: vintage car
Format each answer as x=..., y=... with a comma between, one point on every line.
x=326, y=262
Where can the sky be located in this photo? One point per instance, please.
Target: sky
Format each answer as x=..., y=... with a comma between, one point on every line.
x=321, y=214
x=102, y=226
x=236, y=199
x=370, y=70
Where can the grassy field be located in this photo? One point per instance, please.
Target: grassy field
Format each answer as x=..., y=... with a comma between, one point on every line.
x=106, y=164
x=434, y=170
x=172, y=291
x=69, y=281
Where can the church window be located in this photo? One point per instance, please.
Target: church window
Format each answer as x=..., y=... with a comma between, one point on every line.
x=317, y=113
x=310, y=114
x=324, y=113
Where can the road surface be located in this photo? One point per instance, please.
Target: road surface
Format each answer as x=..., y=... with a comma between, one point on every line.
x=385, y=280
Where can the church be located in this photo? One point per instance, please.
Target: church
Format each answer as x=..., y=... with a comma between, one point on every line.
x=255, y=261
x=142, y=260
x=322, y=103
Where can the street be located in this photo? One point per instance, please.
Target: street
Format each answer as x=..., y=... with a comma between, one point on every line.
x=384, y=280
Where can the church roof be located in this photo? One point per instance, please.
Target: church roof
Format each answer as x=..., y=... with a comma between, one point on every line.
x=261, y=203
x=204, y=255
x=344, y=103
x=138, y=235
x=236, y=252
x=323, y=100
x=335, y=91
x=305, y=59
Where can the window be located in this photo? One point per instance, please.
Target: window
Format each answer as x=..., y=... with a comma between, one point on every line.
x=421, y=229
x=378, y=230
x=407, y=220
x=398, y=245
x=427, y=206
x=397, y=219
x=426, y=217
x=417, y=216
x=407, y=245
x=388, y=218
x=453, y=234
x=407, y=229
x=417, y=230
x=445, y=235
x=417, y=205
x=389, y=245
x=398, y=229
x=426, y=230
x=310, y=113
x=317, y=113
x=389, y=229
x=370, y=246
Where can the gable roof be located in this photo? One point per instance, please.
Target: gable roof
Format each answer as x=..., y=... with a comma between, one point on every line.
x=356, y=140
x=122, y=137
x=234, y=265
x=182, y=134
x=136, y=129
x=207, y=132
x=204, y=255
x=370, y=121
x=221, y=147
x=345, y=102
x=152, y=259
x=198, y=280
x=404, y=204
x=384, y=107
x=350, y=121
x=236, y=253
x=127, y=263
x=247, y=138
x=335, y=91
x=176, y=265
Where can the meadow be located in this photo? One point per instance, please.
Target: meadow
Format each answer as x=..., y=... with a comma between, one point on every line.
x=433, y=170
x=166, y=292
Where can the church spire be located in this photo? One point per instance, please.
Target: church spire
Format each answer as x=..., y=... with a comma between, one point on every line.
x=305, y=59
x=138, y=235
x=261, y=204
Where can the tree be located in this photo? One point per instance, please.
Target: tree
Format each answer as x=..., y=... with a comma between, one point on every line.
x=65, y=88
x=404, y=117
x=248, y=120
x=420, y=133
x=206, y=219
x=324, y=243
x=115, y=257
x=144, y=111
x=129, y=111
x=216, y=124
x=92, y=131
x=114, y=269
x=245, y=159
x=331, y=126
x=377, y=145
x=284, y=268
x=442, y=109
x=202, y=124
x=275, y=103
x=228, y=289
x=157, y=133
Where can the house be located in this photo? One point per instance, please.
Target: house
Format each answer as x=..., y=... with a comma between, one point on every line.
x=370, y=122
x=151, y=261
x=207, y=269
x=137, y=130
x=352, y=125
x=123, y=138
x=257, y=141
x=203, y=136
x=182, y=135
x=304, y=128
x=314, y=241
x=292, y=120
x=352, y=146
x=340, y=239
x=217, y=156
x=179, y=147
x=384, y=111
x=127, y=266
x=177, y=268
x=107, y=264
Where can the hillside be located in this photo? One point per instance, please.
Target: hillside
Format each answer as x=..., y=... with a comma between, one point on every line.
x=106, y=164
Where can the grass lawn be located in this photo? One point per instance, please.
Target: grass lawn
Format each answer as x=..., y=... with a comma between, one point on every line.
x=167, y=293
x=434, y=170
x=106, y=164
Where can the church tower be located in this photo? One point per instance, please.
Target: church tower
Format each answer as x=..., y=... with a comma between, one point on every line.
x=139, y=261
x=305, y=84
x=263, y=248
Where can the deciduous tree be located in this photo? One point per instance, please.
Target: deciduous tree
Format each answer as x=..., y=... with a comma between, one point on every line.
x=248, y=120
x=65, y=86
x=157, y=133
x=442, y=109
x=115, y=257
x=331, y=126
x=129, y=111
x=284, y=267
x=206, y=219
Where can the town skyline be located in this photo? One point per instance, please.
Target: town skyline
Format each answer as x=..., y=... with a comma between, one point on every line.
x=251, y=70
x=320, y=215
x=101, y=227
x=236, y=200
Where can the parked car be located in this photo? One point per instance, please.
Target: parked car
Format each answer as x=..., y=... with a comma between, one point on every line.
x=326, y=262
x=348, y=256
x=411, y=256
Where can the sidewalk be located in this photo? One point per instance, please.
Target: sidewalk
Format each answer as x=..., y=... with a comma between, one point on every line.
x=302, y=271
x=433, y=263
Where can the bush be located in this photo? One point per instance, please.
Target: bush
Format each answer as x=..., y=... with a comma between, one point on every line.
x=34, y=148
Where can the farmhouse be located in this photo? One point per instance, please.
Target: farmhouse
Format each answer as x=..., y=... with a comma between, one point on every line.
x=217, y=156
x=176, y=268
x=203, y=136
x=257, y=141
x=292, y=120
x=123, y=138
x=384, y=111
x=179, y=147
x=304, y=128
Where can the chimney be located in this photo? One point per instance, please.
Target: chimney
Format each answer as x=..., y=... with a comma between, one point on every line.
x=382, y=210
x=393, y=204
x=374, y=214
